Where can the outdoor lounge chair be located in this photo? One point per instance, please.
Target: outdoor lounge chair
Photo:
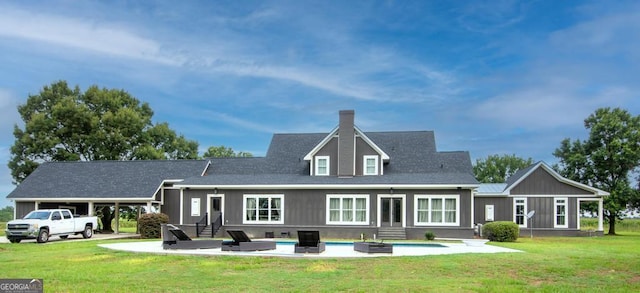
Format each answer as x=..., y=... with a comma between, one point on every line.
x=242, y=242
x=175, y=238
x=309, y=242
x=373, y=247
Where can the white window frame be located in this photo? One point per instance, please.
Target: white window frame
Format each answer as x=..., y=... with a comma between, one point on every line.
x=556, y=204
x=195, y=207
x=341, y=197
x=375, y=164
x=257, y=197
x=524, y=215
x=430, y=197
x=317, y=167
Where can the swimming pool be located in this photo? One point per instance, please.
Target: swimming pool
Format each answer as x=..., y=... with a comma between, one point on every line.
x=333, y=250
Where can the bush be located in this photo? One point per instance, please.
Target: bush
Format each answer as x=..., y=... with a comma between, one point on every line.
x=149, y=224
x=429, y=235
x=501, y=231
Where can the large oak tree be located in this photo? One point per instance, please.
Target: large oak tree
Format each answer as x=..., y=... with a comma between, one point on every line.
x=606, y=159
x=66, y=124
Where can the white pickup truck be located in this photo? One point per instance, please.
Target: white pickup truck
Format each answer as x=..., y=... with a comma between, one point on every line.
x=40, y=224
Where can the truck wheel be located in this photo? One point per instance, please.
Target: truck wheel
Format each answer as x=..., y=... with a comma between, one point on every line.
x=88, y=232
x=43, y=236
x=14, y=240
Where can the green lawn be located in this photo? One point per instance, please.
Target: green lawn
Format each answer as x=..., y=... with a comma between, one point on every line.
x=610, y=263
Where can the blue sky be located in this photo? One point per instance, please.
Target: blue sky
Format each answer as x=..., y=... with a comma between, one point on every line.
x=489, y=77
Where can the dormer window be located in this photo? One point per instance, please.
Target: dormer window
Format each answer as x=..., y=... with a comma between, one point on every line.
x=322, y=166
x=370, y=165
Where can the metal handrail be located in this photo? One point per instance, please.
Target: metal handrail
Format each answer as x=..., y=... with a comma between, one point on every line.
x=216, y=224
x=202, y=224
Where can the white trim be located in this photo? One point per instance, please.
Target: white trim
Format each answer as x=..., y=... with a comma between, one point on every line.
x=328, y=166
x=375, y=147
x=554, y=195
x=376, y=164
x=85, y=199
x=430, y=197
x=328, y=198
x=404, y=207
x=257, y=197
x=206, y=167
x=489, y=213
x=320, y=145
x=209, y=197
x=333, y=186
x=195, y=203
x=473, y=207
x=555, y=174
x=566, y=212
x=181, y=206
x=525, y=211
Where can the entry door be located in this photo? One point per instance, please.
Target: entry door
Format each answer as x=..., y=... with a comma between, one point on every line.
x=216, y=208
x=391, y=212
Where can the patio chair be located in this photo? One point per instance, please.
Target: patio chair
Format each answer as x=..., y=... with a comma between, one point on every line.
x=309, y=242
x=175, y=238
x=242, y=242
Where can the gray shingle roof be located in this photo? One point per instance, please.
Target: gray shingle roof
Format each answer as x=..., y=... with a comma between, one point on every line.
x=104, y=179
x=413, y=160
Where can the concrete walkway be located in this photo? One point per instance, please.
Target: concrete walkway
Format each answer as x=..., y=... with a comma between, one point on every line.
x=332, y=250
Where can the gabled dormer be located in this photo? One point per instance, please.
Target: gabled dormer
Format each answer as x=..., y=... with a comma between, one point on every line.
x=346, y=152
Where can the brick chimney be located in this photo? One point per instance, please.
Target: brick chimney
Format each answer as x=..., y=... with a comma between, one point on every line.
x=346, y=144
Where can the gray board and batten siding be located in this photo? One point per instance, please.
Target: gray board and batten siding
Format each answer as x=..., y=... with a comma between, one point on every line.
x=539, y=186
x=306, y=209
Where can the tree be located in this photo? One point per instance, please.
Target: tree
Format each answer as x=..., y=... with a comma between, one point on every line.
x=224, y=152
x=606, y=159
x=6, y=214
x=64, y=124
x=497, y=168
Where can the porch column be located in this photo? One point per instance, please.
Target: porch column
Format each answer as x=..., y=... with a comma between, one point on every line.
x=181, y=205
x=117, y=230
x=90, y=209
x=149, y=207
x=600, y=214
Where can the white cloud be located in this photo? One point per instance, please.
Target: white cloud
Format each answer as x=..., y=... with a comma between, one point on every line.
x=80, y=34
x=10, y=116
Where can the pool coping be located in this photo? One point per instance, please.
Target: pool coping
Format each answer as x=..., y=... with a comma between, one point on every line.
x=343, y=250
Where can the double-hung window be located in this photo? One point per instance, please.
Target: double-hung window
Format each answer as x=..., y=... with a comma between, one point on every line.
x=343, y=209
x=263, y=209
x=440, y=210
x=322, y=165
x=370, y=165
x=560, y=207
x=520, y=211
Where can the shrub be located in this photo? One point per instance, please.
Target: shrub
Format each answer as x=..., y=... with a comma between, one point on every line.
x=501, y=231
x=149, y=224
x=429, y=235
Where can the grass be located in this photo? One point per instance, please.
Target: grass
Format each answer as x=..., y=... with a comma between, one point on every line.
x=607, y=263
x=628, y=225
